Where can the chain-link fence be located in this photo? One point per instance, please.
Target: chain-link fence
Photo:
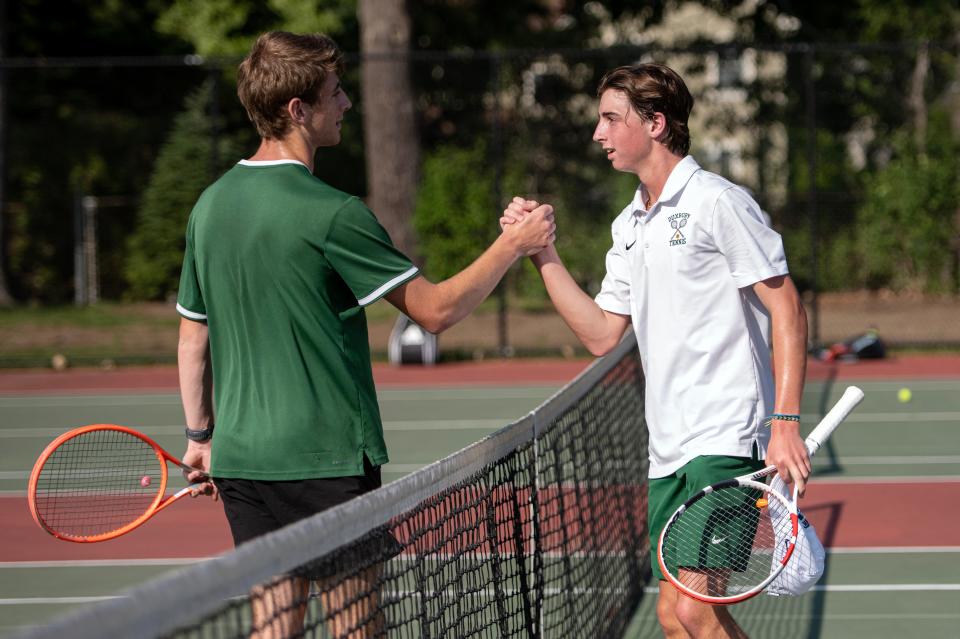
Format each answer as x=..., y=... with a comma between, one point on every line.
x=851, y=149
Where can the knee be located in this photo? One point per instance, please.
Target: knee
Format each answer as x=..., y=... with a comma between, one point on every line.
x=666, y=615
x=694, y=616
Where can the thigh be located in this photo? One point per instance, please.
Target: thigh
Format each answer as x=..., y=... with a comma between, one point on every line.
x=664, y=496
x=722, y=532
x=247, y=513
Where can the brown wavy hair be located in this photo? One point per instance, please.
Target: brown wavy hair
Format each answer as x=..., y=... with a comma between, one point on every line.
x=282, y=66
x=656, y=88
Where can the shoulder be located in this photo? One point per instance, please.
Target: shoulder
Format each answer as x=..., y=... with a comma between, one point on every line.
x=718, y=196
x=708, y=187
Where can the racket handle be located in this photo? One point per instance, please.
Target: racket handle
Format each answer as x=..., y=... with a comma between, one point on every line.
x=851, y=397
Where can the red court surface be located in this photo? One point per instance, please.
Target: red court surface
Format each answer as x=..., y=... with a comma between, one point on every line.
x=491, y=372
x=846, y=515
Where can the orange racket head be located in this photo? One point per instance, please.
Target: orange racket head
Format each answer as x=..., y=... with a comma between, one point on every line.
x=97, y=482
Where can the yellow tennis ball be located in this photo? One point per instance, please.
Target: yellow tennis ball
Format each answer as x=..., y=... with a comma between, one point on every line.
x=762, y=502
x=904, y=395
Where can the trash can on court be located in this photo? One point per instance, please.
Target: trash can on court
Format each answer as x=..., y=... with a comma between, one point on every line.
x=410, y=343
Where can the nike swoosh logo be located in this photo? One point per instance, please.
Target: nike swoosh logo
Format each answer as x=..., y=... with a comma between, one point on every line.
x=714, y=540
x=630, y=245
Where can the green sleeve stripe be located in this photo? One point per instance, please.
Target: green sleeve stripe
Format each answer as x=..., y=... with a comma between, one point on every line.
x=388, y=286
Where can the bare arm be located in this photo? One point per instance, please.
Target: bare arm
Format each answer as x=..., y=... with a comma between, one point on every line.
x=789, y=327
x=597, y=329
x=437, y=307
x=196, y=393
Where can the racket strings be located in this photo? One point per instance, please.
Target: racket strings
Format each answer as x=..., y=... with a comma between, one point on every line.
x=726, y=543
x=97, y=482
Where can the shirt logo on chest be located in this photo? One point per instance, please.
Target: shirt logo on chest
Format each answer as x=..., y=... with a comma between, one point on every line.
x=677, y=222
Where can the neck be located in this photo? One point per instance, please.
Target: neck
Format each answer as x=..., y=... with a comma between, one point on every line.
x=291, y=147
x=654, y=173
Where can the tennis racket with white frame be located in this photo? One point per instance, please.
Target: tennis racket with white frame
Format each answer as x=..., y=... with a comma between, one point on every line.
x=101, y=481
x=722, y=546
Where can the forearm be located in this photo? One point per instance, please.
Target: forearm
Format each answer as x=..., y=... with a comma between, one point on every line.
x=196, y=375
x=460, y=294
x=595, y=328
x=437, y=307
x=789, y=328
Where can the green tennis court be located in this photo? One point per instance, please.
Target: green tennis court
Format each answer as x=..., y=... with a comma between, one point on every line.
x=906, y=455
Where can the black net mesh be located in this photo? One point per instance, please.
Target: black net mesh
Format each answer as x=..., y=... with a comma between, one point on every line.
x=538, y=530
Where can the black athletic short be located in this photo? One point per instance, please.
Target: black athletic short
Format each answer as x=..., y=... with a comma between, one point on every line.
x=257, y=507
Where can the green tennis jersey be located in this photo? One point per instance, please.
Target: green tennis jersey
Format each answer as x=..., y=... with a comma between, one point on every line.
x=280, y=266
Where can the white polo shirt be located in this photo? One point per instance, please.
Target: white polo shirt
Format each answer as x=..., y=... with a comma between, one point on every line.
x=683, y=272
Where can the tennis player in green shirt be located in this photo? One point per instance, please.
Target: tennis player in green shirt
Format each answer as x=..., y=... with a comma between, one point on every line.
x=277, y=271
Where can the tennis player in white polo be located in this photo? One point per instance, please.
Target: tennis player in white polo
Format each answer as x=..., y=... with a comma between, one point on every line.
x=703, y=279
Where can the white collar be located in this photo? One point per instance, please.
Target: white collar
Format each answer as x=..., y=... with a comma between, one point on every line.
x=270, y=162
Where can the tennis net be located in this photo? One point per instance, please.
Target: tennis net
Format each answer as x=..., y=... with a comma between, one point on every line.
x=538, y=530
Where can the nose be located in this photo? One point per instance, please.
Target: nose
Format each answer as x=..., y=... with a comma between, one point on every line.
x=598, y=133
x=346, y=102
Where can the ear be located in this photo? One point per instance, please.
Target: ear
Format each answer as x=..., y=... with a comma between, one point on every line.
x=658, y=125
x=296, y=112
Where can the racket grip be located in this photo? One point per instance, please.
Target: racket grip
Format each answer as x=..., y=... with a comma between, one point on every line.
x=851, y=397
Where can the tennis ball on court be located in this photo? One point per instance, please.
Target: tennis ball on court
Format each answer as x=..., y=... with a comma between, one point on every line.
x=145, y=481
x=904, y=395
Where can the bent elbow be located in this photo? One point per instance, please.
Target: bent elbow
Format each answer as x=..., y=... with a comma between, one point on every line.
x=436, y=325
x=600, y=348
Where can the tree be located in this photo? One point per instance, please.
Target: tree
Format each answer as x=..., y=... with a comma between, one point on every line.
x=181, y=172
x=5, y=299
x=390, y=129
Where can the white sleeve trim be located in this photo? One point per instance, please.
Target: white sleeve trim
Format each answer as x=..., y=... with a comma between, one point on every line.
x=386, y=287
x=191, y=314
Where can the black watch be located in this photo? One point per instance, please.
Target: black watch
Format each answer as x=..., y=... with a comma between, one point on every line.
x=200, y=435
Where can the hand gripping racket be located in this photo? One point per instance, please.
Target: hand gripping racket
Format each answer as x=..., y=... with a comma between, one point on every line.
x=98, y=482
x=723, y=545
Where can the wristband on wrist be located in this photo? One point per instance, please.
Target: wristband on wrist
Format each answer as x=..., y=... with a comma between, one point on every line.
x=201, y=435
x=782, y=417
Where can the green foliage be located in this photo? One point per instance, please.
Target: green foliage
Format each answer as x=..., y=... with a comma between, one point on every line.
x=909, y=220
x=455, y=216
x=228, y=27
x=182, y=170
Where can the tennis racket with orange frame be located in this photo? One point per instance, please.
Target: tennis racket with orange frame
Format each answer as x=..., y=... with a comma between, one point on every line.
x=101, y=481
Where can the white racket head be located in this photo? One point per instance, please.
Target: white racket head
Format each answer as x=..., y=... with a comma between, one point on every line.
x=722, y=546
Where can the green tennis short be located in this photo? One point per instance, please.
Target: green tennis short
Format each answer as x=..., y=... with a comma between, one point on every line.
x=666, y=494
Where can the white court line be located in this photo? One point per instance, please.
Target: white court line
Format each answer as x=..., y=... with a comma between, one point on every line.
x=103, y=563
x=183, y=561
x=889, y=460
x=388, y=425
x=949, y=416
x=26, y=601
x=877, y=385
x=889, y=479
x=416, y=394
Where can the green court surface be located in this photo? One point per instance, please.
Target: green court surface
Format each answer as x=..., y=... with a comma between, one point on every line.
x=894, y=591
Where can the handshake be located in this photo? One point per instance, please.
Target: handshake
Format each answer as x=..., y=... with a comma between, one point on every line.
x=528, y=226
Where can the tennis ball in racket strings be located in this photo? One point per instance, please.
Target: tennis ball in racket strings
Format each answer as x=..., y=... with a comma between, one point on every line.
x=145, y=481
x=904, y=395
x=762, y=502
